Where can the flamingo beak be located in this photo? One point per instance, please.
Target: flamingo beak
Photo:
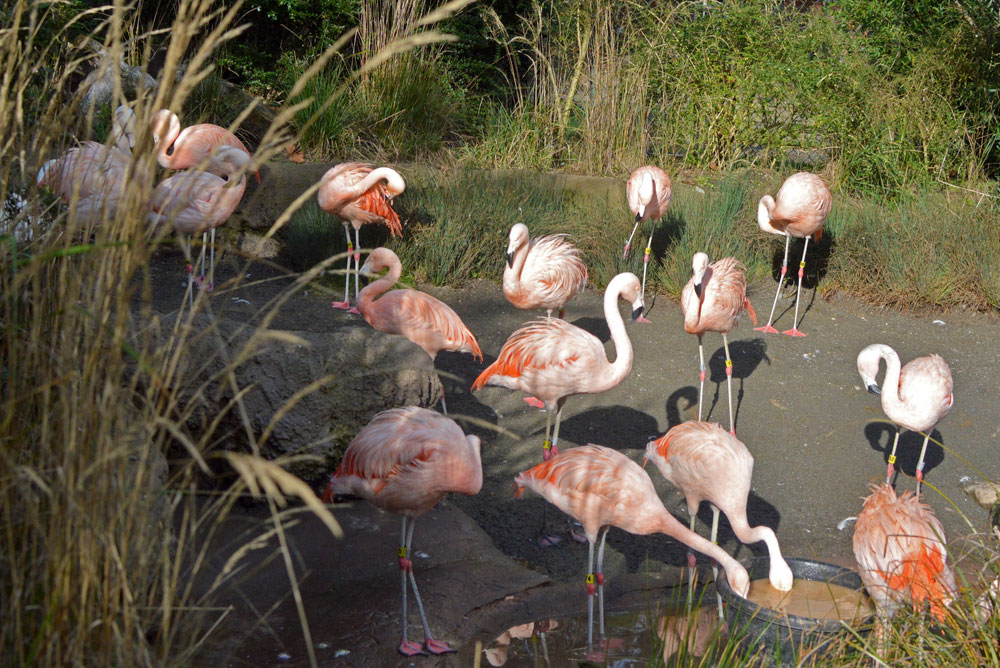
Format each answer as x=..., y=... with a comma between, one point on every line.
x=510, y=259
x=638, y=217
x=636, y=312
x=874, y=389
x=697, y=289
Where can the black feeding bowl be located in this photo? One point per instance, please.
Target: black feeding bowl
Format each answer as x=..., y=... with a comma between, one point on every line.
x=779, y=633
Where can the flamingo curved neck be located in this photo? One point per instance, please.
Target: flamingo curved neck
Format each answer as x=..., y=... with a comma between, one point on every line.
x=671, y=527
x=764, y=210
x=379, y=286
x=512, y=276
x=166, y=142
x=620, y=368
x=890, y=386
x=395, y=183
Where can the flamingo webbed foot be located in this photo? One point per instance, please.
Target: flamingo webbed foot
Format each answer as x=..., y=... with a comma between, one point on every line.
x=355, y=311
x=341, y=305
x=793, y=332
x=546, y=540
x=437, y=647
x=534, y=402
x=767, y=329
x=410, y=648
x=576, y=535
x=644, y=320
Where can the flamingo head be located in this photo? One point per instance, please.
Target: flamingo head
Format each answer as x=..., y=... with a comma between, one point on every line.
x=166, y=126
x=699, y=264
x=377, y=260
x=518, y=237
x=630, y=289
x=739, y=580
x=229, y=163
x=764, y=208
x=868, y=365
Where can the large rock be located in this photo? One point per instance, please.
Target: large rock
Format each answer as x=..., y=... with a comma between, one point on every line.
x=353, y=374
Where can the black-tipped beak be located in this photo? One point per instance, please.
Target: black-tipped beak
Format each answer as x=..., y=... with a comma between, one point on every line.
x=510, y=259
x=874, y=389
x=638, y=217
x=637, y=312
x=697, y=289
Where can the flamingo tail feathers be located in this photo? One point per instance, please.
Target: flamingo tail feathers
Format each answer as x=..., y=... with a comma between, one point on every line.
x=749, y=307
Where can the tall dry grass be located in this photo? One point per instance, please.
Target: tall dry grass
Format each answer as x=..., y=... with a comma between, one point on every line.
x=103, y=542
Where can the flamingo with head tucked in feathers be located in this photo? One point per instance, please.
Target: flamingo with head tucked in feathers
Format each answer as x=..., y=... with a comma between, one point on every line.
x=916, y=397
x=360, y=194
x=603, y=488
x=404, y=461
x=553, y=360
x=902, y=553
x=192, y=146
x=799, y=210
x=423, y=319
x=544, y=272
x=648, y=193
x=712, y=301
x=708, y=464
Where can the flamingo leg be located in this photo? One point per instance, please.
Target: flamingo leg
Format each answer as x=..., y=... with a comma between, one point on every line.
x=204, y=244
x=920, y=463
x=599, y=576
x=547, y=444
x=794, y=331
x=555, y=432
x=628, y=243
x=892, y=456
x=190, y=271
x=211, y=263
x=645, y=265
x=357, y=270
x=430, y=644
x=544, y=538
x=406, y=647
x=768, y=329
x=701, y=375
x=590, y=596
x=444, y=406
x=692, y=560
x=729, y=381
x=346, y=304
x=715, y=566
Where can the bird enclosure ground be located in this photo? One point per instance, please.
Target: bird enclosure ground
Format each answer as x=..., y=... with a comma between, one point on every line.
x=818, y=439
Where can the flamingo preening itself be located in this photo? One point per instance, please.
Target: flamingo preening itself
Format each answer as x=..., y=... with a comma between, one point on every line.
x=602, y=488
x=404, y=461
x=648, y=193
x=708, y=464
x=553, y=360
x=712, y=301
x=544, y=272
x=799, y=210
x=902, y=553
x=360, y=194
x=423, y=319
x=917, y=397
x=192, y=146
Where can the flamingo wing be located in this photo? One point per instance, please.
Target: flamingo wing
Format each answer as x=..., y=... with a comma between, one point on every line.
x=340, y=196
x=423, y=318
x=928, y=379
x=540, y=346
x=554, y=270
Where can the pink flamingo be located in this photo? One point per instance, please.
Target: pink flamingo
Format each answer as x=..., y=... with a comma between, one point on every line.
x=708, y=464
x=404, y=461
x=544, y=272
x=918, y=397
x=360, y=194
x=95, y=174
x=800, y=210
x=712, y=301
x=423, y=319
x=901, y=552
x=193, y=145
x=196, y=202
x=602, y=488
x=553, y=360
x=648, y=193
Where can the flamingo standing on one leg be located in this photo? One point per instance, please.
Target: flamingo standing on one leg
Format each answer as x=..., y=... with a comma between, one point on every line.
x=544, y=272
x=799, y=210
x=707, y=464
x=404, y=461
x=712, y=301
x=602, y=488
x=918, y=397
x=196, y=202
x=648, y=192
x=359, y=194
x=901, y=552
x=553, y=360
x=192, y=146
x=423, y=319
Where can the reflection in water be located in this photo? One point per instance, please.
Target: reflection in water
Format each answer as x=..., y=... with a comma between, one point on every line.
x=690, y=633
x=497, y=654
x=812, y=598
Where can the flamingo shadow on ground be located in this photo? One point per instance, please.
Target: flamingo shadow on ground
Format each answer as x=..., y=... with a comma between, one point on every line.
x=617, y=427
x=908, y=450
x=817, y=264
x=747, y=356
x=458, y=371
x=674, y=410
x=596, y=326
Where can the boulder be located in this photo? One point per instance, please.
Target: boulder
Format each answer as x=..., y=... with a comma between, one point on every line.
x=352, y=374
x=984, y=493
